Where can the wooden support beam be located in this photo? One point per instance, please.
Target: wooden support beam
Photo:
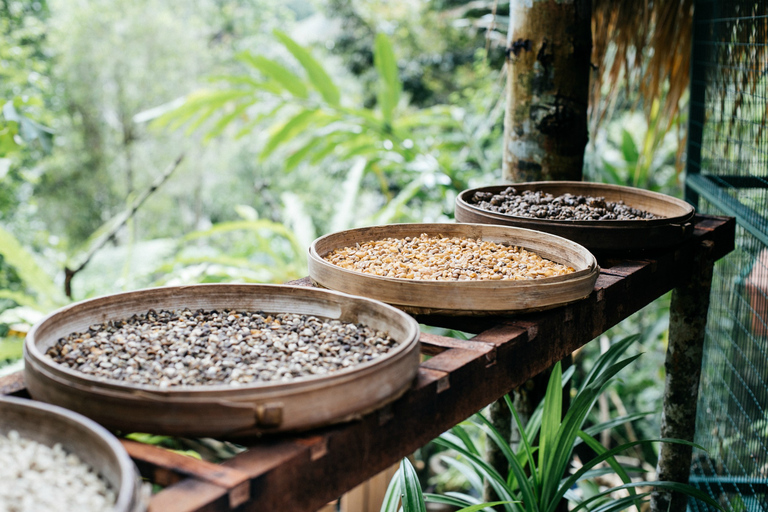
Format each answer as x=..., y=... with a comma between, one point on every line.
x=687, y=330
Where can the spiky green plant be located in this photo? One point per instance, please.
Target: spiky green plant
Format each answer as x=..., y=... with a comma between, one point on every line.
x=540, y=475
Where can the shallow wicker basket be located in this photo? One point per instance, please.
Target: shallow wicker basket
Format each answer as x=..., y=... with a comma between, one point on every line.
x=597, y=235
x=220, y=410
x=48, y=425
x=476, y=298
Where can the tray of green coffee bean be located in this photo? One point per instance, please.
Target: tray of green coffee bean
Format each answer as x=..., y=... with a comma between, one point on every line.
x=601, y=217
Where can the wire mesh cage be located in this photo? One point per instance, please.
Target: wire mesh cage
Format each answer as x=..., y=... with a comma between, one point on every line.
x=728, y=175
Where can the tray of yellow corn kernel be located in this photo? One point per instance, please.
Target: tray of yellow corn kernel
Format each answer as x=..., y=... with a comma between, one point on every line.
x=458, y=269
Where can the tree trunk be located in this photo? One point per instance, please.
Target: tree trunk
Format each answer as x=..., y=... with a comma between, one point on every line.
x=687, y=329
x=548, y=66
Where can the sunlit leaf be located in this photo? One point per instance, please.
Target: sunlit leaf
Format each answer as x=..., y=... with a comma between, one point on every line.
x=410, y=488
x=389, y=85
x=318, y=77
x=276, y=71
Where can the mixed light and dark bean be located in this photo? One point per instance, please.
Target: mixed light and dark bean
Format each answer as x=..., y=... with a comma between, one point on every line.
x=542, y=205
x=445, y=258
x=35, y=477
x=188, y=348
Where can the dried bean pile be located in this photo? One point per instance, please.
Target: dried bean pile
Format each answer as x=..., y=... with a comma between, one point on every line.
x=541, y=205
x=35, y=477
x=438, y=258
x=185, y=348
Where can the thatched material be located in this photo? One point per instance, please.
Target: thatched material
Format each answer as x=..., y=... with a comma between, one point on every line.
x=645, y=46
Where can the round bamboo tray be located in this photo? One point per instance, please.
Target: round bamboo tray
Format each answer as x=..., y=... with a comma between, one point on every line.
x=597, y=235
x=465, y=298
x=48, y=425
x=220, y=410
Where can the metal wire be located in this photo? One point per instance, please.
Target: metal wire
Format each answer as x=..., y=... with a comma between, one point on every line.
x=728, y=174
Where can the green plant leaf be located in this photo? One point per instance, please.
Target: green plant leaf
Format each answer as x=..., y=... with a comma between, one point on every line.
x=20, y=298
x=276, y=71
x=609, y=358
x=567, y=483
x=614, y=422
x=446, y=500
x=389, y=85
x=475, y=480
x=291, y=128
x=557, y=460
x=622, y=503
x=31, y=274
x=551, y=415
x=318, y=77
x=392, y=495
x=410, y=488
x=536, y=477
x=617, y=468
x=629, y=148
x=686, y=489
x=489, y=473
x=227, y=119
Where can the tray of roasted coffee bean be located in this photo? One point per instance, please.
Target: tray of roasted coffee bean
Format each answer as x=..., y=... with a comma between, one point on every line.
x=54, y=459
x=457, y=269
x=222, y=359
x=598, y=216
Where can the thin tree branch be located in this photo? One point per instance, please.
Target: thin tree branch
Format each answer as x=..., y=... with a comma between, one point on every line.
x=124, y=217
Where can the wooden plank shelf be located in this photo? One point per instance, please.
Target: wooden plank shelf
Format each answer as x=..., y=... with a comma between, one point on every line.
x=303, y=472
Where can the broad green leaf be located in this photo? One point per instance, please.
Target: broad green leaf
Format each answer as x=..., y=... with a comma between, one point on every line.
x=31, y=274
x=318, y=77
x=276, y=71
x=410, y=489
x=628, y=147
x=389, y=85
x=290, y=129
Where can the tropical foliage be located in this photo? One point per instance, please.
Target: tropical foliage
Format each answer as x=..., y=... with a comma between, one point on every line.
x=540, y=469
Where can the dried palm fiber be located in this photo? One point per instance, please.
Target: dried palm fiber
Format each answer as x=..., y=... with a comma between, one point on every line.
x=646, y=47
x=742, y=54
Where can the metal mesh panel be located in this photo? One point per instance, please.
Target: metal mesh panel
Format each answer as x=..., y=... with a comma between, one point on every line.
x=728, y=175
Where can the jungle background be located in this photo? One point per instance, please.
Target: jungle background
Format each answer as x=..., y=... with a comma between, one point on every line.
x=158, y=143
